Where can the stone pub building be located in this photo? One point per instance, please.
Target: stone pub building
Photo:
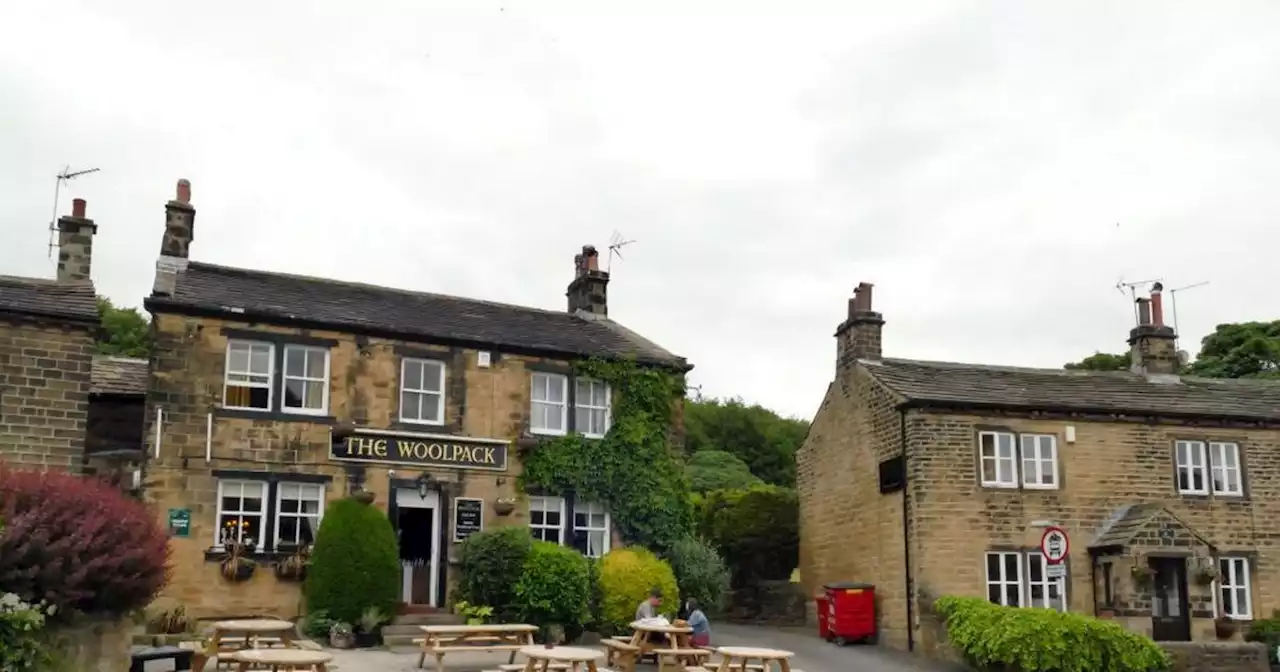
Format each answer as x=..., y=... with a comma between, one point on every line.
x=271, y=394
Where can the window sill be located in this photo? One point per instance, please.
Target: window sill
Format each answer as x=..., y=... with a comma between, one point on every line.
x=425, y=428
x=215, y=554
x=274, y=416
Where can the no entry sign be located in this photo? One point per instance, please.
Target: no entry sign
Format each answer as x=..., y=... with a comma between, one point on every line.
x=1054, y=545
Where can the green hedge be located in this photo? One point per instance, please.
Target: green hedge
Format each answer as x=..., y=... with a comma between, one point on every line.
x=757, y=530
x=1267, y=631
x=555, y=588
x=626, y=576
x=992, y=637
x=355, y=564
x=700, y=572
x=492, y=563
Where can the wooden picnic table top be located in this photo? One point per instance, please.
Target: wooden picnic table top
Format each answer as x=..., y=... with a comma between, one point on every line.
x=254, y=625
x=281, y=656
x=472, y=629
x=651, y=627
x=751, y=652
x=563, y=654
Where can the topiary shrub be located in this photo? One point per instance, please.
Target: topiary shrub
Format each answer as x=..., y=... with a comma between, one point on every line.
x=756, y=529
x=492, y=563
x=355, y=564
x=78, y=544
x=626, y=577
x=991, y=637
x=700, y=572
x=554, y=588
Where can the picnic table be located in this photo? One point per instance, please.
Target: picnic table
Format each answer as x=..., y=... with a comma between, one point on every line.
x=667, y=636
x=441, y=639
x=540, y=658
x=231, y=636
x=738, y=657
x=290, y=659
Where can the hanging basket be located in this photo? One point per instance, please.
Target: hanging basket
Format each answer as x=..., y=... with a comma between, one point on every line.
x=504, y=506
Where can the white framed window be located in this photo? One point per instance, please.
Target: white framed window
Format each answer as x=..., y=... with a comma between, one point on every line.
x=546, y=519
x=306, y=379
x=1192, y=467
x=247, y=382
x=999, y=460
x=241, y=512
x=1004, y=578
x=591, y=409
x=590, y=529
x=1039, y=460
x=299, y=507
x=548, y=413
x=1233, y=596
x=1043, y=591
x=1224, y=468
x=422, y=391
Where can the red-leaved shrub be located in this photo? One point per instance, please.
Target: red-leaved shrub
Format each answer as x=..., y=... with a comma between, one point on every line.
x=78, y=543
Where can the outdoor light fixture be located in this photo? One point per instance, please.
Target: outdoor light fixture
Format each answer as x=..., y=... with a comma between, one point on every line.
x=423, y=482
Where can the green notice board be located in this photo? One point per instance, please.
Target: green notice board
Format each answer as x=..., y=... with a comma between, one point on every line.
x=180, y=522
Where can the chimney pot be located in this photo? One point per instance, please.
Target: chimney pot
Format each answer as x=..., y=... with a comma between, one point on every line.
x=1157, y=305
x=859, y=336
x=77, y=208
x=184, y=191
x=1144, y=312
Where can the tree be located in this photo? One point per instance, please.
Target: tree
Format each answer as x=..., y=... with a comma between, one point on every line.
x=1101, y=361
x=1240, y=350
x=718, y=470
x=762, y=439
x=125, y=332
x=355, y=564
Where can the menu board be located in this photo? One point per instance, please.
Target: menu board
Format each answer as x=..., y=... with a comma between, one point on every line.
x=468, y=517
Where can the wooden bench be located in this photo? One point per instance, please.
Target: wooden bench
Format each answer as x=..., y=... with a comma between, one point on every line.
x=678, y=658
x=519, y=667
x=621, y=653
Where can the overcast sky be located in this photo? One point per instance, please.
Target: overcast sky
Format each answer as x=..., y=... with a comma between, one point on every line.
x=994, y=168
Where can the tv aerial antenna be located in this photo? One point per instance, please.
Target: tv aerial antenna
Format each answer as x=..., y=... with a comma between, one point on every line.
x=1173, y=304
x=616, y=243
x=65, y=176
x=1132, y=288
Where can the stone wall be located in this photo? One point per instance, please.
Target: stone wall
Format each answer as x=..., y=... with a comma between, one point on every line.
x=95, y=645
x=44, y=393
x=768, y=603
x=1217, y=656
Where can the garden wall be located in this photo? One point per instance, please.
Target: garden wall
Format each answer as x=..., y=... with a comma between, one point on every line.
x=767, y=603
x=95, y=646
x=1217, y=656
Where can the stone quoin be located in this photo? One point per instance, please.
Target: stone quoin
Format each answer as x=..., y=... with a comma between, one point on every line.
x=939, y=478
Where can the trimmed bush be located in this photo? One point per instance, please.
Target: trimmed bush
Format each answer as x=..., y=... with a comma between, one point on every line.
x=756, y=529
x=626, y=577
x=992, y=637
x=700, y=572
x=355, y=564
x=1267, y=631
x=554, y=588
x=78, y=544
x=492, y=563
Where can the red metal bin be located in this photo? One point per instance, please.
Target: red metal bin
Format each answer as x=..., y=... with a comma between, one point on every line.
x=851, y=612
x=824, y=622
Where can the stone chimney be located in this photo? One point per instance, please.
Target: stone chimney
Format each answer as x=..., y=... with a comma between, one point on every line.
x=589, y=290
x=179, y=223
x=1152, y=344
x=858, y=337
x=75, y=244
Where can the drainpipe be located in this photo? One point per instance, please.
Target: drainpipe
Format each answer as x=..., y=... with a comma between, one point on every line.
x=906, y=530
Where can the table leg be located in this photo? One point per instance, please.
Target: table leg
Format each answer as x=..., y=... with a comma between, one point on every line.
x=545, y=663
x=244, y=667
x=426, y=646
x=591, y=666
x=784, y=664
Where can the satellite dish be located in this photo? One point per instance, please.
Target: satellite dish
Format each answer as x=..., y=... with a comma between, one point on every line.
x=1183, y=357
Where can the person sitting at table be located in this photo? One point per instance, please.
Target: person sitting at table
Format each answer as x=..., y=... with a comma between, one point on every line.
x=649, y=608
x=700, y=624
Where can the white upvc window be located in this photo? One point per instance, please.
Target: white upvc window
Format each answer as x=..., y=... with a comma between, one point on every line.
x=999, y=459
x=591, y=404
x=422, y=391
x=242, y=510
x=549, y=410
x=1043, y=591
x=1224, y=468
x=299, y=507
x=305, y=380
x=1192, y=467
x=249, y=369
x=1233, y=596
x=590, y=529
x=546, y=519
x=1039, y=461
x=1004, y=578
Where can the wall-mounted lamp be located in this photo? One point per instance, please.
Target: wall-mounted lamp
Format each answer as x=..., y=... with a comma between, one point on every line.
x=424, y=484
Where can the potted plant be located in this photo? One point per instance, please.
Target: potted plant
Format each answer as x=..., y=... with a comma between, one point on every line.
x=472, y=613
x=294, y=567
x=236, y=565
x=363, y=496
x=504, y=506
x=1142, y=574
x=368, y=631
x=341, y=636
x=1225, y=627
x=1206, y=575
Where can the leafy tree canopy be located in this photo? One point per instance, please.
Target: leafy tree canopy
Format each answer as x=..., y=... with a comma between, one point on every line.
x=718, y=470
x=1101, y=361
x=762, y=439
x=124, y=331
x=1237, y=350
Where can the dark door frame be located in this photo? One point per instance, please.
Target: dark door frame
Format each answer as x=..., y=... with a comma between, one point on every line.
x=1163, y=627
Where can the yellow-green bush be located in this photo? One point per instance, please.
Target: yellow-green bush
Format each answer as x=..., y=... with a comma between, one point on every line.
x=626, y=577
x=992, y=637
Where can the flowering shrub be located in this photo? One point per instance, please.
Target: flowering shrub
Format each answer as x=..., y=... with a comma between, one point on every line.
x=22, y=646
x=78, y=544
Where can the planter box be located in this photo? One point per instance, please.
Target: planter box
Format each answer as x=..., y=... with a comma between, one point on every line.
x=368, y=640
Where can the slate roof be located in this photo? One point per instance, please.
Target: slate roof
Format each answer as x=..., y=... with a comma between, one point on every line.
x=1127, y=521
x=976, y=385
x=347, y=305
x=118, y=375
x=49, y=298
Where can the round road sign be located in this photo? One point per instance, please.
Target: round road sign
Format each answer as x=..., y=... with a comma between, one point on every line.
x=1054, y=545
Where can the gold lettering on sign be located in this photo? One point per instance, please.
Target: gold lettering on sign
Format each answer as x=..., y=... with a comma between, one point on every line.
x=409, y=450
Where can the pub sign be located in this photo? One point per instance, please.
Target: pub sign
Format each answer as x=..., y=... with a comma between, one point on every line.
x=420, y=450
